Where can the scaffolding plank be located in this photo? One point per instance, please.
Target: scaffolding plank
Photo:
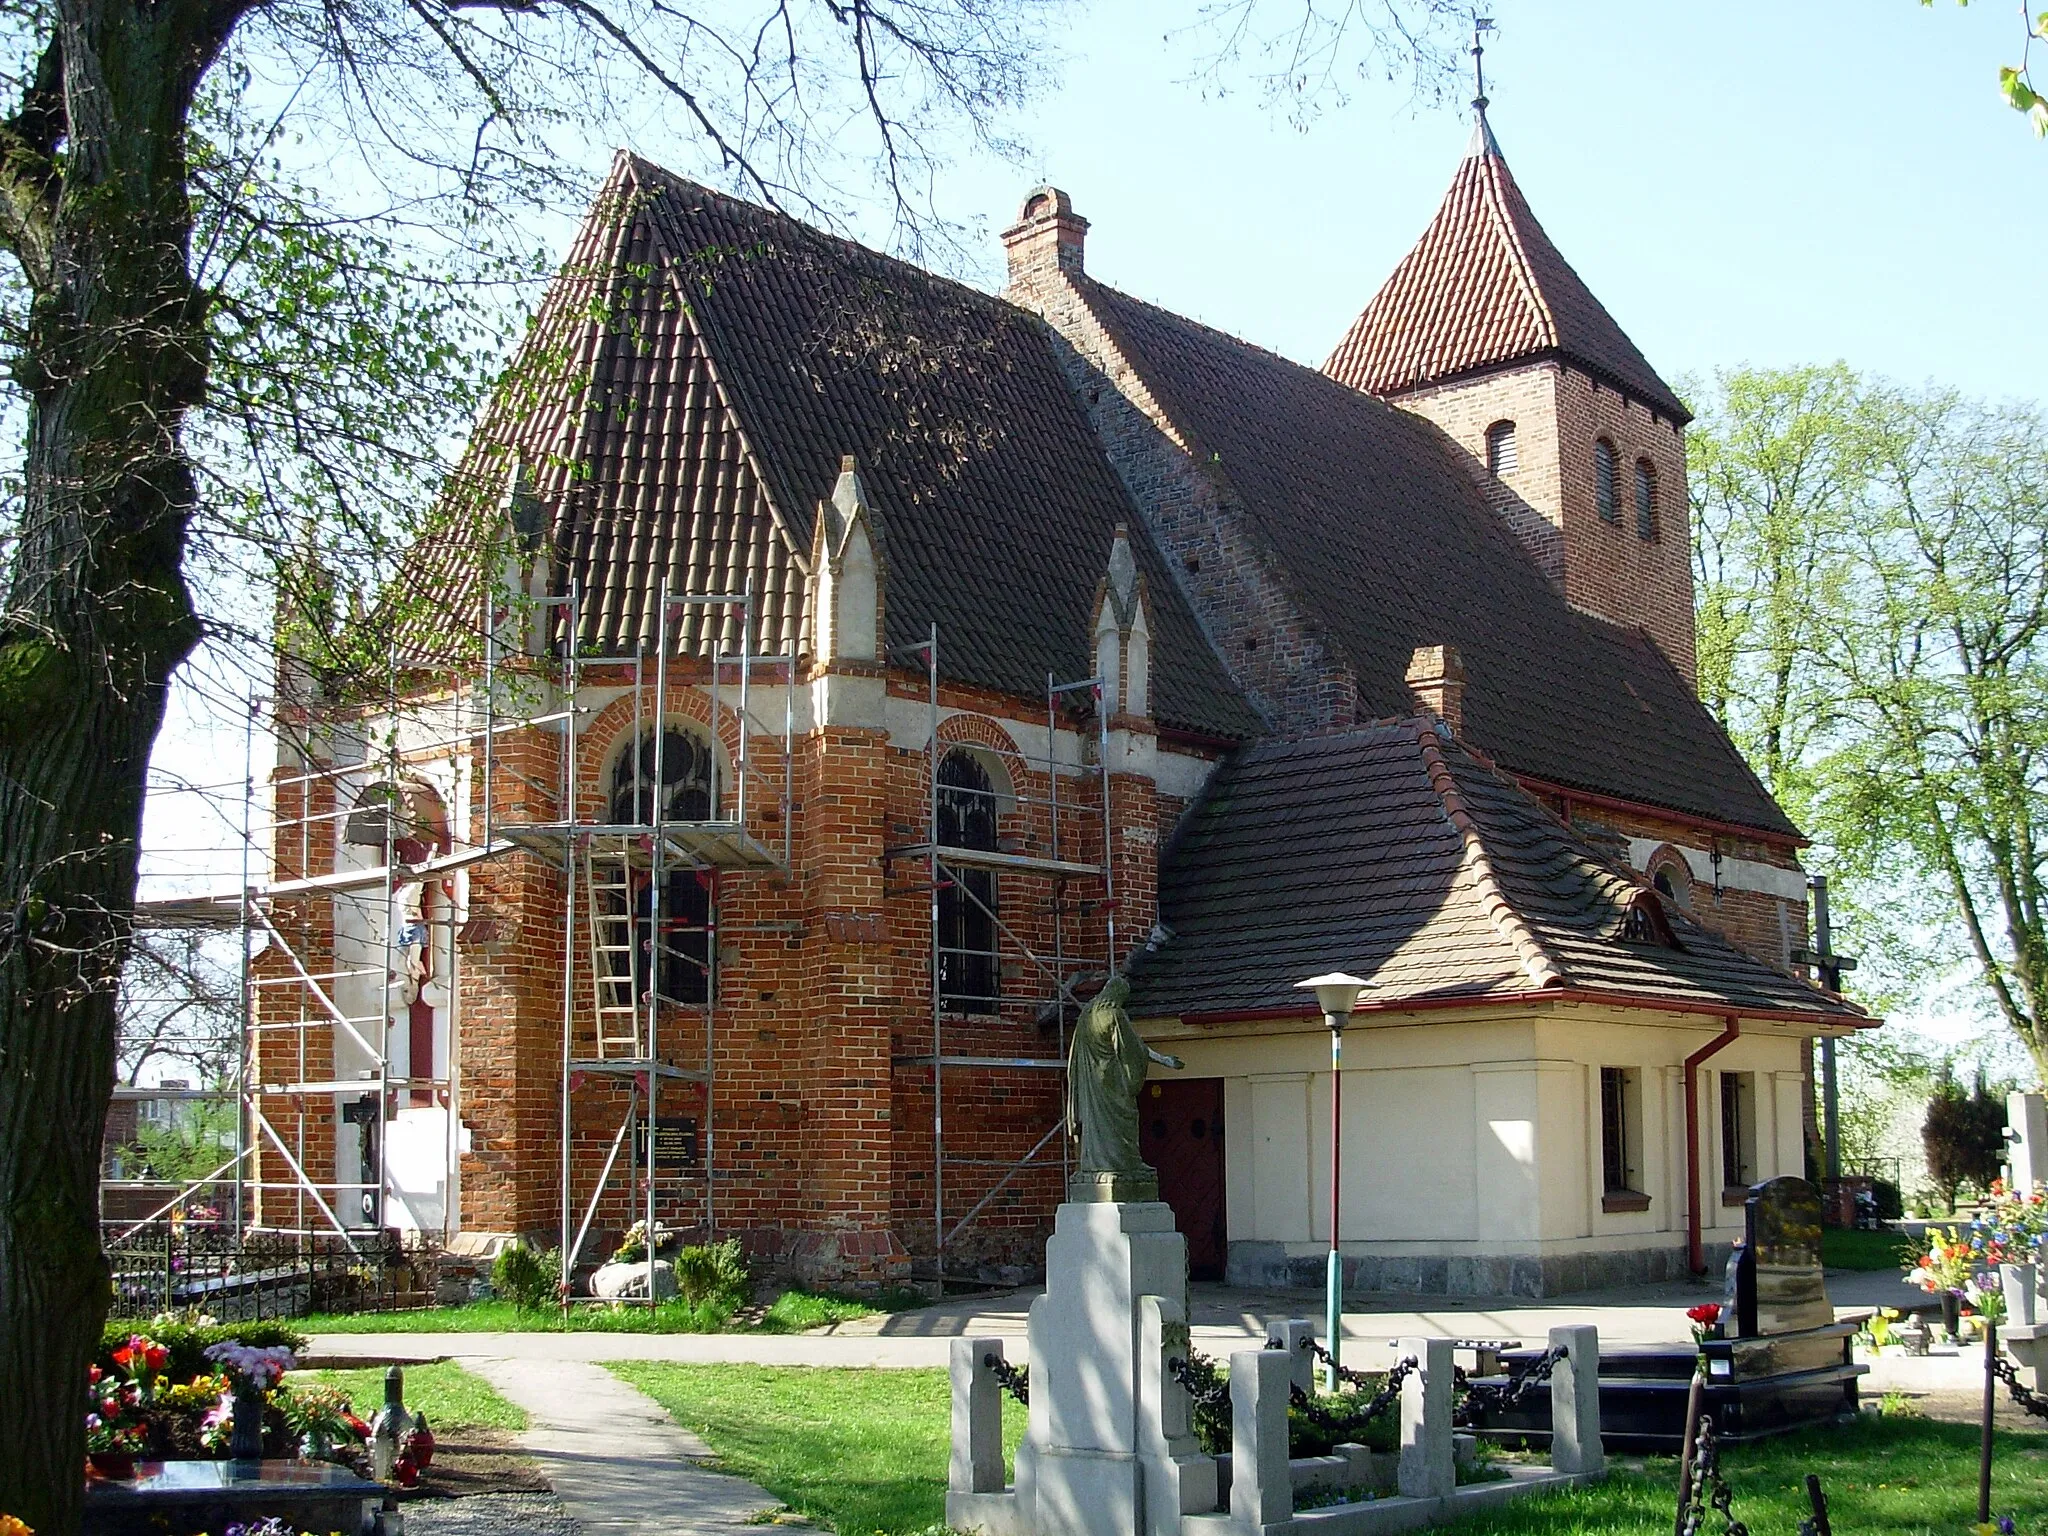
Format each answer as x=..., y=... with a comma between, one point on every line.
x=713, y=844
x=1023, y=1063
x=223, y=909
x=980, y=858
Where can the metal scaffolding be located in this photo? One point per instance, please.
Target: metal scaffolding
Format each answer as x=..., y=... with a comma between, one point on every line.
x=618, y=936
x=1067, y=840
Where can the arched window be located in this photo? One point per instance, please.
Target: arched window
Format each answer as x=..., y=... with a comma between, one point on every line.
x=1646, y=499
x=1500, y=448
x=1673, y=881
x=678, y=788
x=683, y=775
x=969, y=968
x=1606, y=493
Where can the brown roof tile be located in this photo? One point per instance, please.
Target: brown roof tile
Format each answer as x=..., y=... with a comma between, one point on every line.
x=707, y=365
x=1388, y=544
x=1484, y=287
x=1390, y=851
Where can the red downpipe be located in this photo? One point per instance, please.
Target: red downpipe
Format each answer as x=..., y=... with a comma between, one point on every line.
x=1696, y=1253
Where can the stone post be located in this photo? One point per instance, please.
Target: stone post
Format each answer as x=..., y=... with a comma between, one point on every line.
x=1179, y=1478
x=1428, y=1468
x=977, y=1461
x=1261, y=1486
x=2027, y=1115
x=1295, y=1335
x=1575, y=1402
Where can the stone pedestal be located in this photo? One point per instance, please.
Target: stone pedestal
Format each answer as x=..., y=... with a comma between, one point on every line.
x=1088, y=1456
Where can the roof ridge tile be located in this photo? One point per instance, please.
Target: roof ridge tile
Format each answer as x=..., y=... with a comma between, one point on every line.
x=1544, y=969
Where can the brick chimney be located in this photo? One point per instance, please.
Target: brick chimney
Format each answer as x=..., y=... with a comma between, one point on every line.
x=1048, y=237
x=1436, y=677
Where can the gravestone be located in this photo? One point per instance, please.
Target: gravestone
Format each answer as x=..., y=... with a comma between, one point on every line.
x=1774, y=1279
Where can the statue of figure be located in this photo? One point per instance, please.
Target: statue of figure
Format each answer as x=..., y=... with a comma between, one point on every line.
x=1105, y=1069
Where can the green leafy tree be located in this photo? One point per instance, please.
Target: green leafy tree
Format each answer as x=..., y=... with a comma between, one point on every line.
x=2016, y=81
x=256, y=259
x=1964, y=1137
x=1909, y=735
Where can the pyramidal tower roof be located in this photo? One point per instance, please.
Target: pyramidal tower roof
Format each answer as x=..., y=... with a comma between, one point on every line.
x=1483, y=289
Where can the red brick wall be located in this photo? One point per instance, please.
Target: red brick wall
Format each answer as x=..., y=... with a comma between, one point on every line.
x=1558, y=413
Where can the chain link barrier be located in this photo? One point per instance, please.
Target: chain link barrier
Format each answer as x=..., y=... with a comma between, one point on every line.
x=1351, y=1426
x=1015, y=1379
x=1484, y=1398
x=1208, y=1399
x=1708, y=1489
x=2007, y=1371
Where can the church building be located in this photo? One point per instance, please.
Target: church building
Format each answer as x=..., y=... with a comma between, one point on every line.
x=826, y=674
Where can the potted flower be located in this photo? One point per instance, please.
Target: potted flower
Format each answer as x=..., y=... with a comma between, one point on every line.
x=251, y=1372
x=113, y=1435
x=2011, y=1231
x=325, y=1423
x=1944, y=1270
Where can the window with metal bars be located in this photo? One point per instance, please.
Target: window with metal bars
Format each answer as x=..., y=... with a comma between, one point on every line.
x=1646, y=500
x=970, y=971
x=1500, y=448
x=1605, y=492
x=1738, y=1130
x=1614, y=1129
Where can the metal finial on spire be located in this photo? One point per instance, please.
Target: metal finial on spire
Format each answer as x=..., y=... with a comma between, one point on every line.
x=1482, y=132
x=1481, y=25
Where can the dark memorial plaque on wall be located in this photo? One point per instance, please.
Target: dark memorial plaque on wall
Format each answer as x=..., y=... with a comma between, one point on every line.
x=675, y=1142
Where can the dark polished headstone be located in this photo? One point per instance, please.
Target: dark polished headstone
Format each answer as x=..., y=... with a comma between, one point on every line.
x=188, y=1496
x=1774, y=1282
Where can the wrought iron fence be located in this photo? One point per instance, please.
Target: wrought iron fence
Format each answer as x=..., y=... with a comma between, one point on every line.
x=167, y=1267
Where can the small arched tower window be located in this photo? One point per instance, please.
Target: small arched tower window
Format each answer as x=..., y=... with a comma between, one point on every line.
x=1500, y=448
x=1606, y=494
x=1646, y=500
x=1673, y=881
x=969, y=968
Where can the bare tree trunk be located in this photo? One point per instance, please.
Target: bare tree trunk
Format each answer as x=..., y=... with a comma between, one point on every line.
x=97, y=619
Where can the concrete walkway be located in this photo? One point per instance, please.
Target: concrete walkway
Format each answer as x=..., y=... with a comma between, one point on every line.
x=619, y=1463
x=1224, y=1319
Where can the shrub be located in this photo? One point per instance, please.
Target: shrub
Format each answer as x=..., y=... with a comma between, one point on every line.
x=529, y=1280
x=1964, y=1136
x=187, y=1342
x=1890, y=1206
x=713, y=1272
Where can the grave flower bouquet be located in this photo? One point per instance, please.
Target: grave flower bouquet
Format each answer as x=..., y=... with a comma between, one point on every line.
x=142, y=1361
x=2010, y=1231
x=113, y=1423
x=246, y=1365
x=1949, y=1265
x=1706, y=1321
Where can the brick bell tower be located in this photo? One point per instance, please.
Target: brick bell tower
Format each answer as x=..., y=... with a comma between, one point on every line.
x=1485, y=329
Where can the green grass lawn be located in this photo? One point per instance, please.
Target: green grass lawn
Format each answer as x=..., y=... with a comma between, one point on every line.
x=1846, y=1248
x=791, y=1312
x=864, y=1453
x=860, y=1451
x=449, y=1396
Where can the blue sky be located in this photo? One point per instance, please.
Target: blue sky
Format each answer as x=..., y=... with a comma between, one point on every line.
x=1753, y=181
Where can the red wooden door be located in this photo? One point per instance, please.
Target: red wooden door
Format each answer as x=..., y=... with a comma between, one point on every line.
x=1180, y=1128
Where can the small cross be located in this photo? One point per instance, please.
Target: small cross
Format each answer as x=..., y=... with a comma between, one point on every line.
x=1481, y=25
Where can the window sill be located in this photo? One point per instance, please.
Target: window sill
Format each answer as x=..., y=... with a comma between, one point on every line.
x=1735, y=1195
x=1624, y=1202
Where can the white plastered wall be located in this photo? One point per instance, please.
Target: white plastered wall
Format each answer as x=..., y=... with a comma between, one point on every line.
x=1479, y=1133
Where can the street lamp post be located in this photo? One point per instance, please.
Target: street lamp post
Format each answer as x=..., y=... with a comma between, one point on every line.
x=1336, y=994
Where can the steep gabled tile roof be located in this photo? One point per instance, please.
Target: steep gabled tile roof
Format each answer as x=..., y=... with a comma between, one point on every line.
x=1392, y=852
x=1483, y=288
x=1382, y=534
x=697, y=374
